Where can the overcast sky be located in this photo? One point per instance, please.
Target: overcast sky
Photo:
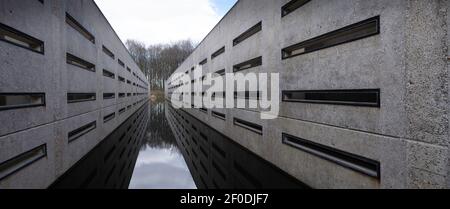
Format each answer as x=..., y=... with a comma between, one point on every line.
x=164, y=21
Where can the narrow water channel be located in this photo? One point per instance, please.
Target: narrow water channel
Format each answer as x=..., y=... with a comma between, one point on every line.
x=160, y=164
x=160, y=147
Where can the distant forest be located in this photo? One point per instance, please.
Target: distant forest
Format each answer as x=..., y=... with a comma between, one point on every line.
x=159, y=61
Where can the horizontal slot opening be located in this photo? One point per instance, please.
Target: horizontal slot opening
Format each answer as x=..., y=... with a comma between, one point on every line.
x=249, y=126
x=248, y=64
x=75, y=134
x=218, y=52
x=201, y=63
x=10, y=101
x=108, y=74
x=359, y=97
x=78, y=27
x=350, y=33
x=80, y=97
x=21, y=161
x=108, y=52
x=109, y=117
x=121, y=79
x=219, y=115
x=221, y=72
x=247, y=95
x=247, y=34
x=109, y=96
x=122, y=110
x=357, y=163
x=122, y=95
x=78, y=62
x=204, y=110
x=292, y=6
x=121, y=63
x=17, y=38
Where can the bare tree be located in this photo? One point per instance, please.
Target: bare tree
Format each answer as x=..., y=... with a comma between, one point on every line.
x=159, y=61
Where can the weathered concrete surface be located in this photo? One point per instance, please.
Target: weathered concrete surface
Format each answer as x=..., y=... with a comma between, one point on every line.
x=25, y=71
x=408, y=61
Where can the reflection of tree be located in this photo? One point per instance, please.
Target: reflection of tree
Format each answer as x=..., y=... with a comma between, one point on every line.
x=159, y=134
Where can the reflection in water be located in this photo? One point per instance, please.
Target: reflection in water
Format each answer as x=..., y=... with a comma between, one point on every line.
x=110, y=164
x=160, y=164
x=144, y=153
x=215, y=161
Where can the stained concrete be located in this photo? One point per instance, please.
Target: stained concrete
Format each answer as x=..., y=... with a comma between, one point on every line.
x=24, y=71
x=408, y=134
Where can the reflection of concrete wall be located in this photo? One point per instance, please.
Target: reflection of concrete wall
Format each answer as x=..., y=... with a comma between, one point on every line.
x=24, y=71
x=217, y=162
x=111, y=163
x=408, y=134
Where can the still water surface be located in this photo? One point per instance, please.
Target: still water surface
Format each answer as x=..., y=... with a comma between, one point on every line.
x=160, y=147
x=160, y=164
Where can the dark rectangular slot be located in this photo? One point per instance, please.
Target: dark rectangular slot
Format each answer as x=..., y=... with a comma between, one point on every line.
x=122, y=110
x=80, y=97
x=108, y=74
x=202, y=62
x=359, y=97
x=121, y=79
x=247, y=34
x=357, y=163
x=219, y=115
x=350, y=33
x=78, y=27
x=128, y=82
x=78, y=62
x=221, y=72
x=249, y=126
x=248, y=64
x=218, y=52
x=109, y=117
x=247, y=95
x=108, y=52
x=21, y=161
x=109, y=96
x=122, y=95
x=292, y=6
x=121, y=63
x=128, y=69
x=10, y=101
x=204, y=110
x=77, y=133
x=20, y=39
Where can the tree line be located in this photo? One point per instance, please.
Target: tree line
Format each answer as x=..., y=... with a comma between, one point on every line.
x=159, y=61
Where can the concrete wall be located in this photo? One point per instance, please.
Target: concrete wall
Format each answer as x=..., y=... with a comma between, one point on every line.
x=407, y=61
x=25, y=71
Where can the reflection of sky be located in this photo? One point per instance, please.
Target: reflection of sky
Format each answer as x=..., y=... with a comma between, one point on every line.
x=161, y=169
